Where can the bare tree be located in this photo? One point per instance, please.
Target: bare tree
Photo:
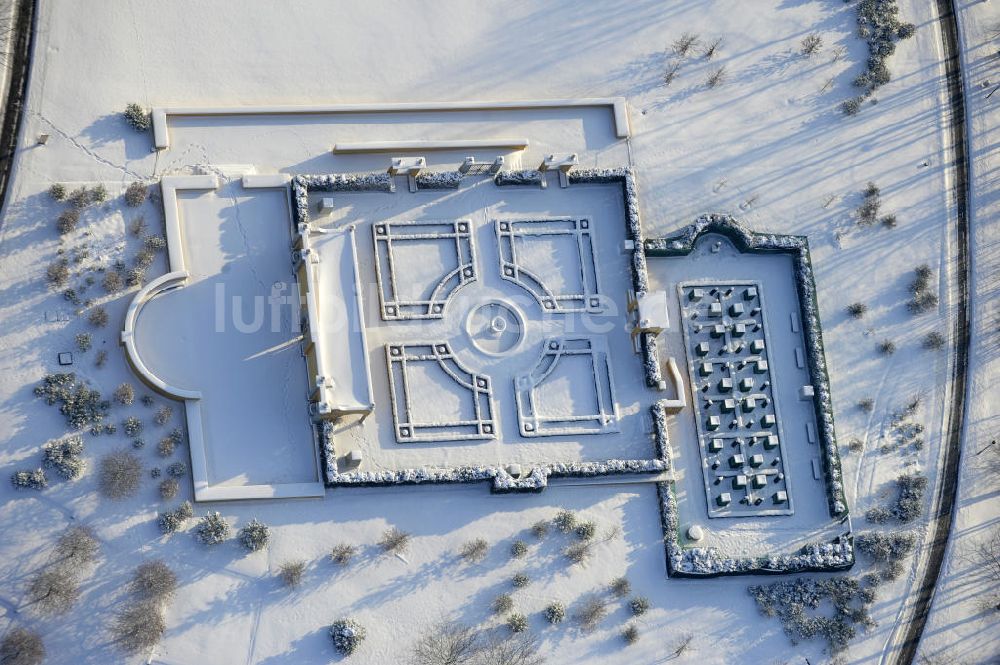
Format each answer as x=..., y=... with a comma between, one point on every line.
x=119, y=474
x=712, y=48
x=515, y=649
x=987, y=554
x=139, y=626
x=21, y=647
x=447, y=643
x=342, y=553
x=54, y=589
x=76, y=547
x=153, y=581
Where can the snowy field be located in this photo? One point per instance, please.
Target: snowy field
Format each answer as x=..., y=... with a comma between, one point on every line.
x=768, y=145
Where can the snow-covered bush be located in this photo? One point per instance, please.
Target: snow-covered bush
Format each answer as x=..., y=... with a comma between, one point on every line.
x=21, y=646
x=810, y=44
x=639, y=605
x=555, y=612
x=172, y=521
x=630, y=634
x=135, y=276
x=255, y=535
x=144, y=258
x=347, y=635
x=154, y=243
x=213, y=529
x=518, y=549
x=886, y=547
x=79, y=197
x=520, y=580
x=887, y=347
x=132, y=426
x=540, y=529
x=518, y=623
x=65, y=457
x=879, y=25
x=851, y=106
x=165, y=448
x=177, y=470
x=565, y=521
x=586, y=530
x=137, y=117
x=27, y=479
x=909, y=504
x=135, y=194
x=933, y=340
x=878, y=514
x=857, y=309
x=57, y=191
x=118, y=474
x=475, y=551
x=84, y=341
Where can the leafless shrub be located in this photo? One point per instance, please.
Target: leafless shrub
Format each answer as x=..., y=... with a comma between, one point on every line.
x=112, y=282
x=101, y=358
x=447, y=643
x=135, y=194
x=887, y=347
x=866, y=404
x=578, y=552
x=169, y=487
x=394, y=541
x=144, y=258
x=342, y=553
x=592, y=612
x=153, y=580
x=683, y=645
x=54, y=589
x=586, y=530
x=503, y=604
x=58, y=273
x=139, y=626
x=21, y=646
x=98, y=317
x=857, y=309
x=292, y=572
x=57, y=191
x=811, y=45
x=79, y=197
x=475, y=551
x=67, y=221
x=124, y=394
x=670, y=73
x=540, y=529
x=685, y=44
x=710, y=50
x=518, y=549
x=716, y=78
x=118, y=474
x=84, y=341
x=934, y=340
x=867, y=212
x=138, y=226
x=163, y=415
x=630, y=634
x=620, y=587
x=166, y=446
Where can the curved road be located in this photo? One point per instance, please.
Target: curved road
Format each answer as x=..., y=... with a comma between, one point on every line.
x=907, y=641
